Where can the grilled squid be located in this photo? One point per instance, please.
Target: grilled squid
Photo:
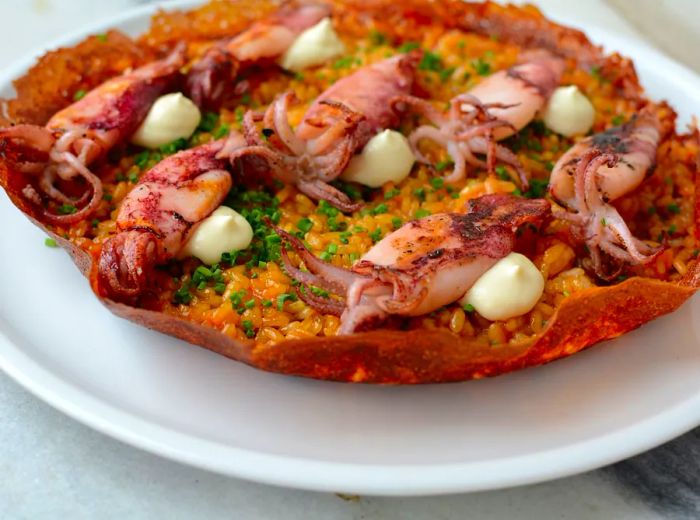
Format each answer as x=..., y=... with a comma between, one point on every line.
x=156, y=217
x=425, y=264
x=597, y=171
x=85, y=131
x=495, y=109
x=267, y=39
x=338, y=123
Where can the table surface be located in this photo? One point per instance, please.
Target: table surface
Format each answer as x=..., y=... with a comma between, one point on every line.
x=51, y=465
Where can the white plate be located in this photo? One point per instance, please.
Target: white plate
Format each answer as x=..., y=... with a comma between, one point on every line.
x=188, y=404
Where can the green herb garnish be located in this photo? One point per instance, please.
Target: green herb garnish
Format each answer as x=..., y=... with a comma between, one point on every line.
x=305, y=225
x=409, y=46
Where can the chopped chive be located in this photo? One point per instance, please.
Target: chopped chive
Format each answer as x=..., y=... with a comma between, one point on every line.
x=538, y=187
x=674, y=208
x=396, y=222
x=283, y=298
x=236, y=298
x=305, y=225
x=266, y=303
x=66, y=209
x=249, y=304
x=332, y=248
x=248, y=328
x=229, y=257
x=468, y=307
x=320, y=292
x=502, y=173
x=409, y=46
x=141, y=159
x=174, y=146
x=420, y=193
x=50, y=242
x=618, y=120
x=376, y=235
x=344, y=63
x=79, y=94
x=183, y=296
x=430, y=61
x=437, y=182
x=390, y=194
x=377, y=38
x=208, y=122
x=379, y=209
x=239, y=113
x=441, y=165
x=481, y=67
x=422, y=212
x=446, y=74
x=220, y=132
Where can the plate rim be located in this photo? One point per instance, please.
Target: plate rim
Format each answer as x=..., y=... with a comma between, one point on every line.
x=315, y=475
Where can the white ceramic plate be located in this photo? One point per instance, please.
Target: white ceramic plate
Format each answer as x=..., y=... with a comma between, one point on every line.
x=188, y=404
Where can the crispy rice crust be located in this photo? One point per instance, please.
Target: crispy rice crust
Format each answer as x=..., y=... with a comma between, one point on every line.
x=383, y=356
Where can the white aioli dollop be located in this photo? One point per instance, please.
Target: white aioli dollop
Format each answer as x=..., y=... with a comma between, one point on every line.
x=223, y=231
x=172, y=116
x=569, y=112
x=510, y=288
x=386, y=157
x=314, y=46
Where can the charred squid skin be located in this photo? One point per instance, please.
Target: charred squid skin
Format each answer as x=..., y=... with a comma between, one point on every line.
x=423, y=265
x=337, y=124
x=208, y=81
x=126, y=264
x=597, y=171
x=156, y=217
x=83, y=132
x=477, y=120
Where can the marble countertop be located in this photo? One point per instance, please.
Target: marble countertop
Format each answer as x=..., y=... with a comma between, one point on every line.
x=52, y=466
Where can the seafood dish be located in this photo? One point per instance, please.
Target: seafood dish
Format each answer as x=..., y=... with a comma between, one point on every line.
x=381, y=192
